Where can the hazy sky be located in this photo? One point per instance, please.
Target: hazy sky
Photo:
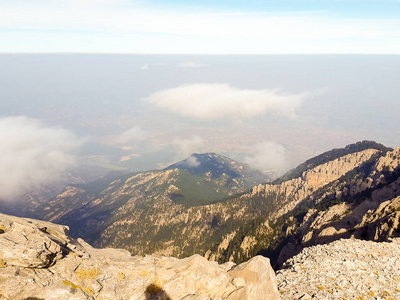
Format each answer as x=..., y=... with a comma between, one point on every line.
x=200, y=27
x=138, y=112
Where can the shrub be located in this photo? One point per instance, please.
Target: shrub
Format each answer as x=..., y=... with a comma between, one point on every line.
x=336, y=217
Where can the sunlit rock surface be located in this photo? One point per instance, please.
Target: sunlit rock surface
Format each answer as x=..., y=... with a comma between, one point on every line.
x=39, y=261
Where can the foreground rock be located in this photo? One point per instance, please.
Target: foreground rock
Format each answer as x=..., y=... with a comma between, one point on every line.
x=344, y=269
x=39, y=261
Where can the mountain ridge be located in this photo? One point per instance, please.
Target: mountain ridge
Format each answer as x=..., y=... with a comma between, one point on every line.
x=363, y=203
x=331, y=155
x=87, y=209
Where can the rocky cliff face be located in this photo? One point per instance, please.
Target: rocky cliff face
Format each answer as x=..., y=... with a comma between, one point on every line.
x=364, y=206
x=278, y=224
x=38, y=260
x=293, y=191
x=363, y=203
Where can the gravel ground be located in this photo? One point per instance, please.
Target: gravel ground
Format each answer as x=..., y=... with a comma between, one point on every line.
x=344, y=269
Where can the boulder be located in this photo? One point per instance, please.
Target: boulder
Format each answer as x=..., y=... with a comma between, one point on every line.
x=259, y=277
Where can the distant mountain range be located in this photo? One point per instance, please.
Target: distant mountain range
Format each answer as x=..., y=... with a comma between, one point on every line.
x=213, y=206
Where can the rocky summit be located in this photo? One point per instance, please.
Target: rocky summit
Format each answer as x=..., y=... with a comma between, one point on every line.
x=38, y=260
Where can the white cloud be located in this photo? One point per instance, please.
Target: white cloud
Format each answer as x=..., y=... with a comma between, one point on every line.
x=129, y=157
x=268, y=156
x=32, y=154
x=132, y=135
x=192, y=162
x=186, y=147
x=217, y=101
x=192, y=64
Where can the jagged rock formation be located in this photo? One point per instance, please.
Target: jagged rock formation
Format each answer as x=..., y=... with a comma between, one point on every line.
x=330, y=156
x=293, y=191
x=364, y=205
x=39, y=261
x=344, y=269
x=362, y=202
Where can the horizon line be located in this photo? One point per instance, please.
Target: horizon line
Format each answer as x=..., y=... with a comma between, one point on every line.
x=183, y=54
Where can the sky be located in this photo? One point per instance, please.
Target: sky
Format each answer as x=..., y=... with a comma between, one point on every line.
x=200, y=27
x=88, y=87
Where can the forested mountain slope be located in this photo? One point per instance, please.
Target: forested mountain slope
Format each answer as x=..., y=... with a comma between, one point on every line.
x=134, y=204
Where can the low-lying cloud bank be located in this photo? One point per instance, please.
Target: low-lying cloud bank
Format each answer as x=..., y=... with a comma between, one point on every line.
x=268, y=156
x=184, y=147
x=32, y=154
x=219, y=100
x=132, y=135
